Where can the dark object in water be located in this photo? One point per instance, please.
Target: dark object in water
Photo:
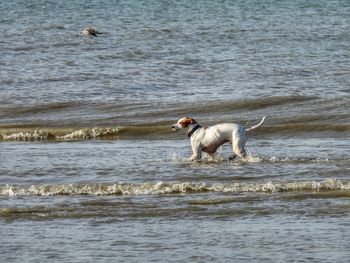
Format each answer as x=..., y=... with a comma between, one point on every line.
x=90, y=31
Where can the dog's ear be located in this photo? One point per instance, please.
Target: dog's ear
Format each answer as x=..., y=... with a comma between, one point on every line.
x=192, y=121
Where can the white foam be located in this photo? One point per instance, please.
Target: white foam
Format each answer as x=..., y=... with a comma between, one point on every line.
x=25, y=136
x=172, y=188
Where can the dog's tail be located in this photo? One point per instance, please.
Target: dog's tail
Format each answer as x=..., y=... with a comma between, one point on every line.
x=256, y=126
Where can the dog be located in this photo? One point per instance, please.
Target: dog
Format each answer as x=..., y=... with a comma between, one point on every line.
x=208, y=140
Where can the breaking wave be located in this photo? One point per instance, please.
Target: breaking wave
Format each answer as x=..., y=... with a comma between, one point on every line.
x=171, y=188
x=63, y=134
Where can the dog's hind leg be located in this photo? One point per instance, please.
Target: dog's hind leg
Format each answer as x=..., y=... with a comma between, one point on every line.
x=238, y=142
x=211, y=157
x=239, y=151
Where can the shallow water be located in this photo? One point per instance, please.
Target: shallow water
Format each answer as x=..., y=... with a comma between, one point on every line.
x=91, y=171
x=132, y=199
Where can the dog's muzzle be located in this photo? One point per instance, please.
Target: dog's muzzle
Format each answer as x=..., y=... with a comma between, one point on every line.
x=175, y=127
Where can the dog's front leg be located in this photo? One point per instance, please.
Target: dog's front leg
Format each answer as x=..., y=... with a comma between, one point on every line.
x=195, y=157
x=197, y=152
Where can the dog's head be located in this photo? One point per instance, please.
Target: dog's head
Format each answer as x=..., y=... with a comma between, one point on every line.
x=183, y=123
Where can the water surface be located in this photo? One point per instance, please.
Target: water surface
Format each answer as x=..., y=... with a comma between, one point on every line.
x=91, y=171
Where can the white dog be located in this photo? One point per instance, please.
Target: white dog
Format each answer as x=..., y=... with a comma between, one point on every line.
x=210, y=139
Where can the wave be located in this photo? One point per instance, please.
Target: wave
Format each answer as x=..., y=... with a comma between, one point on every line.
x=94, y=120
x=66, y=134
x=149, y=109
x=303, y=128
x=160, y=188
x=146, y=132
x=234, y=105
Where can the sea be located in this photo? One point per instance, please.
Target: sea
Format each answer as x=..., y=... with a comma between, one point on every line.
x=91, y=171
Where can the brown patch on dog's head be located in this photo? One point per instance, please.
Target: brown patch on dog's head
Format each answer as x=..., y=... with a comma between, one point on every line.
x=183, y=123
x=187, y=121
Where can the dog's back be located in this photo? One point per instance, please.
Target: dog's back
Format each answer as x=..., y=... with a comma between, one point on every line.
x=213, y=137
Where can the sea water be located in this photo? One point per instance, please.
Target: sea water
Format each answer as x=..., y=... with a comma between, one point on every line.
x=90, y=170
